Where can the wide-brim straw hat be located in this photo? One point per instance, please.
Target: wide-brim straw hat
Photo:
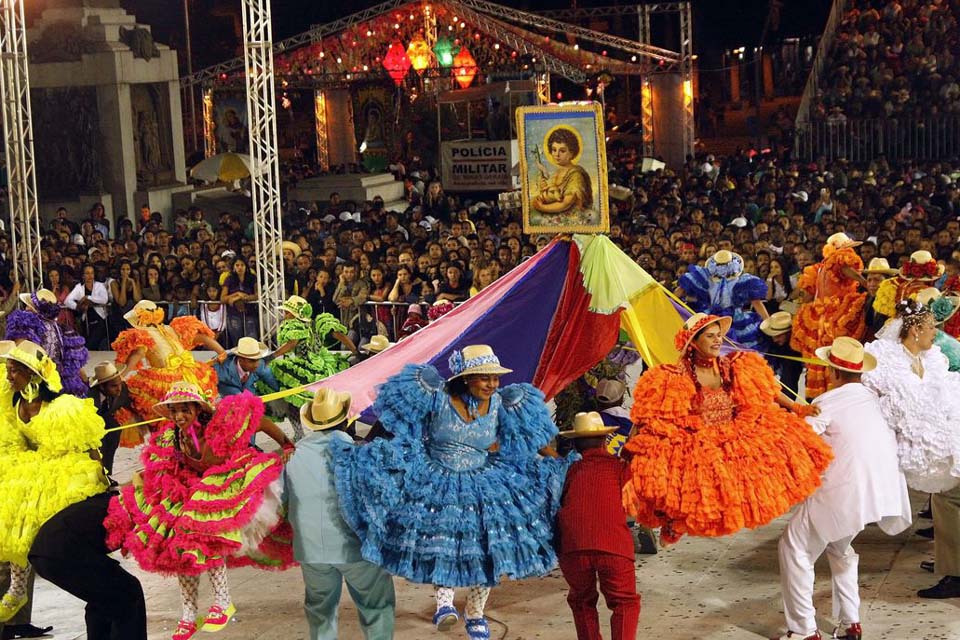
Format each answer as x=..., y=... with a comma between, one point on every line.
x=881, y=266
x=920, y=259
x=291, y=246
x=298, y=307
x=475, y=359
x=104, y=371
x=840, y=240
x=143, y=305
x=610, y=391
x=588, y=425
x=847, y=354
x=181, y=392
x=777, y=324
x=943, y=306
x=250, y=348
x=697, y=323
x=377, y=344
x=327, y=409
x=44, y=295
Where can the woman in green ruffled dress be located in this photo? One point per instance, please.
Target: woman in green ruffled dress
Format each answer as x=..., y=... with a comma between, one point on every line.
x=305, y=359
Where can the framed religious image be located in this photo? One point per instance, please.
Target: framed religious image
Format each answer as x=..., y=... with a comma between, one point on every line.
x=563, y=169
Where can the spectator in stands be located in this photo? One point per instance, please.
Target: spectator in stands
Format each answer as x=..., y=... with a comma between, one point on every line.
x=89, y=300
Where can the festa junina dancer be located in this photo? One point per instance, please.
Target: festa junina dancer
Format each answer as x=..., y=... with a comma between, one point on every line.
x=832, y=306
x=722, y=288
x=459, y=497
x=207, y=500
x=920, y=399
x=48, y=457
x=862, y=485
x=943, y=307
x=920, y=272
x=167, y=350
x=714, y=451
x=302, y=357
x=38, y=324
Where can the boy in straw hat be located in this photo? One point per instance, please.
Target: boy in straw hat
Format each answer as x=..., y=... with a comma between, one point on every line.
x=326, y=548
x=876, y=273
x=115, y=406
x=241, y=368
x=593, y=539
x=864, y=484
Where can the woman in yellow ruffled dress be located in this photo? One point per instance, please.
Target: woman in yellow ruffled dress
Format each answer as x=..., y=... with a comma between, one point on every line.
x=48, y=457
x=833, y=305
x=166, y=349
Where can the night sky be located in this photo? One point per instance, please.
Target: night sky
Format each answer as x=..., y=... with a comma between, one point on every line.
x=719, y=24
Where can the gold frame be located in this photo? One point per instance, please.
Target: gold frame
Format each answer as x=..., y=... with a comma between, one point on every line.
x=596, y=166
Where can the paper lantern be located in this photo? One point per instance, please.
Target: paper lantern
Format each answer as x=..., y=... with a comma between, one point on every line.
x=419, y=54
x=444, y=51
x=396, y=63
x=464, y=67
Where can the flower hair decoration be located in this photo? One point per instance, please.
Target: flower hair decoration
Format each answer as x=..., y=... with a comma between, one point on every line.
x=927, y=270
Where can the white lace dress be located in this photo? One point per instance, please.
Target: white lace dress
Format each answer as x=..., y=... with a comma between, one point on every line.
x=924, y=412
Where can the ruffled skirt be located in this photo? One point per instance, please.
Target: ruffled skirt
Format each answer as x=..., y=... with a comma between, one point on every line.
x=231, y=517
x=818, y=323
x=294, y=371
x=725, y=477
x=432, y=525
x=34, y=488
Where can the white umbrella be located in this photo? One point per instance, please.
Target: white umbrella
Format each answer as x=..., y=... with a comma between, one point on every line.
x=225, y=167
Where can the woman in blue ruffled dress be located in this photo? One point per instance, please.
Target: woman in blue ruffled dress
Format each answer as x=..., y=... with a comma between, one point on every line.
x=721, y=288
x=460, y=497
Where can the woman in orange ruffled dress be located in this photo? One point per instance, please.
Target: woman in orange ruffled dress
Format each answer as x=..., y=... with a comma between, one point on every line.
x=715, y=448
x=166, y=348
x=833, y=305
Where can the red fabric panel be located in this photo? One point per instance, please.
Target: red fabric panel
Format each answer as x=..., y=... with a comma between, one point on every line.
x=578, y=338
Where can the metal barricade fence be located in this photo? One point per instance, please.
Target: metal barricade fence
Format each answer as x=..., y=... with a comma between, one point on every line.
x=863, y=140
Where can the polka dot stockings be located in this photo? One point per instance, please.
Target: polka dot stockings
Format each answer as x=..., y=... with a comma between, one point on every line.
x=190, y=589
x=18, y=580
x=476, y=600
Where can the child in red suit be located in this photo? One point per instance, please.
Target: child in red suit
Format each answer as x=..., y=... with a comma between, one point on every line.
x=594, y=542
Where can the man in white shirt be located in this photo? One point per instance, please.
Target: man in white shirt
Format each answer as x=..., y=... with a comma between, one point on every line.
x=862, y=485
x=89, y=300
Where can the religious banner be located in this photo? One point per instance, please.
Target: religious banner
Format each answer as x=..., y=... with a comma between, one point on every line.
x=229, y=122
x=477, y=165
x=563, y=169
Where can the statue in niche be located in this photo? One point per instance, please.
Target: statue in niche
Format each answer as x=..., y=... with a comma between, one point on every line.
x=151, y=157
x=152, y=148
x=67, y=157
x=140, y=41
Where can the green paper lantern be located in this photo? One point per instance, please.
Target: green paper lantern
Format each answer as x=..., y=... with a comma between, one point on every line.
x=444, y=50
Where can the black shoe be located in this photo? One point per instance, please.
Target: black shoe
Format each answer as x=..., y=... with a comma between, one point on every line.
x=948, y=587
x=926, y=514
x=925, y=533
x=927, y=565
x=12, y=631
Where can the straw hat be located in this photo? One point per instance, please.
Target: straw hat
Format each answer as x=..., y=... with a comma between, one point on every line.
x=610, y=391
x=6, y=346
x=840, y=240
x=377, y=344
x=942, y=306
x=694, y=325
x=287, y=245
x=475, y=359
x=250, y=348
x=32, y=356
x=847, y=354
x=327, y=409
x=777, y=324
x=44, y=295
x=181, y=392
x=143, y=305
x=879, y=265
x=922, y=266
x=725, y=264
x=298, y=307
x=588, y=425
x=104, y=371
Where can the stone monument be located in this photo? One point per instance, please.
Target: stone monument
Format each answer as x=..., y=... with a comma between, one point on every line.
x=106, y=110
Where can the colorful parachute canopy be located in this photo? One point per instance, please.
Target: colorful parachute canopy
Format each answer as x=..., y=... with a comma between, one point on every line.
x=550, y=320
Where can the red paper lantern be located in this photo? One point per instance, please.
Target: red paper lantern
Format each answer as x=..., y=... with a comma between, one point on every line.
x=464, y=68
x=396, y=63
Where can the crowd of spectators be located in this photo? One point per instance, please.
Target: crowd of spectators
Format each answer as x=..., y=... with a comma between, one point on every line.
x=385, y=272
x=892, y=59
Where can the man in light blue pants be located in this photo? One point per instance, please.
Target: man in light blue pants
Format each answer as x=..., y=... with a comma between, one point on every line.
x=327, y=550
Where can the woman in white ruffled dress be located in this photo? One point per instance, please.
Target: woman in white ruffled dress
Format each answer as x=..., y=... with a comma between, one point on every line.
x=919, y=396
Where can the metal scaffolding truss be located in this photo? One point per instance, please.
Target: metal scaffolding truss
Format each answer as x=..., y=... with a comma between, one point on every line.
x=486, y=14
x=542, y=22
x=521, y=45
x=590, y=12
x=265, y=169
x=18, y=145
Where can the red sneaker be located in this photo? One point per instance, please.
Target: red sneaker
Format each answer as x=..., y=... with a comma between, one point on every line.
x=852, y=632
x=218, y=617
x=185, y=630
